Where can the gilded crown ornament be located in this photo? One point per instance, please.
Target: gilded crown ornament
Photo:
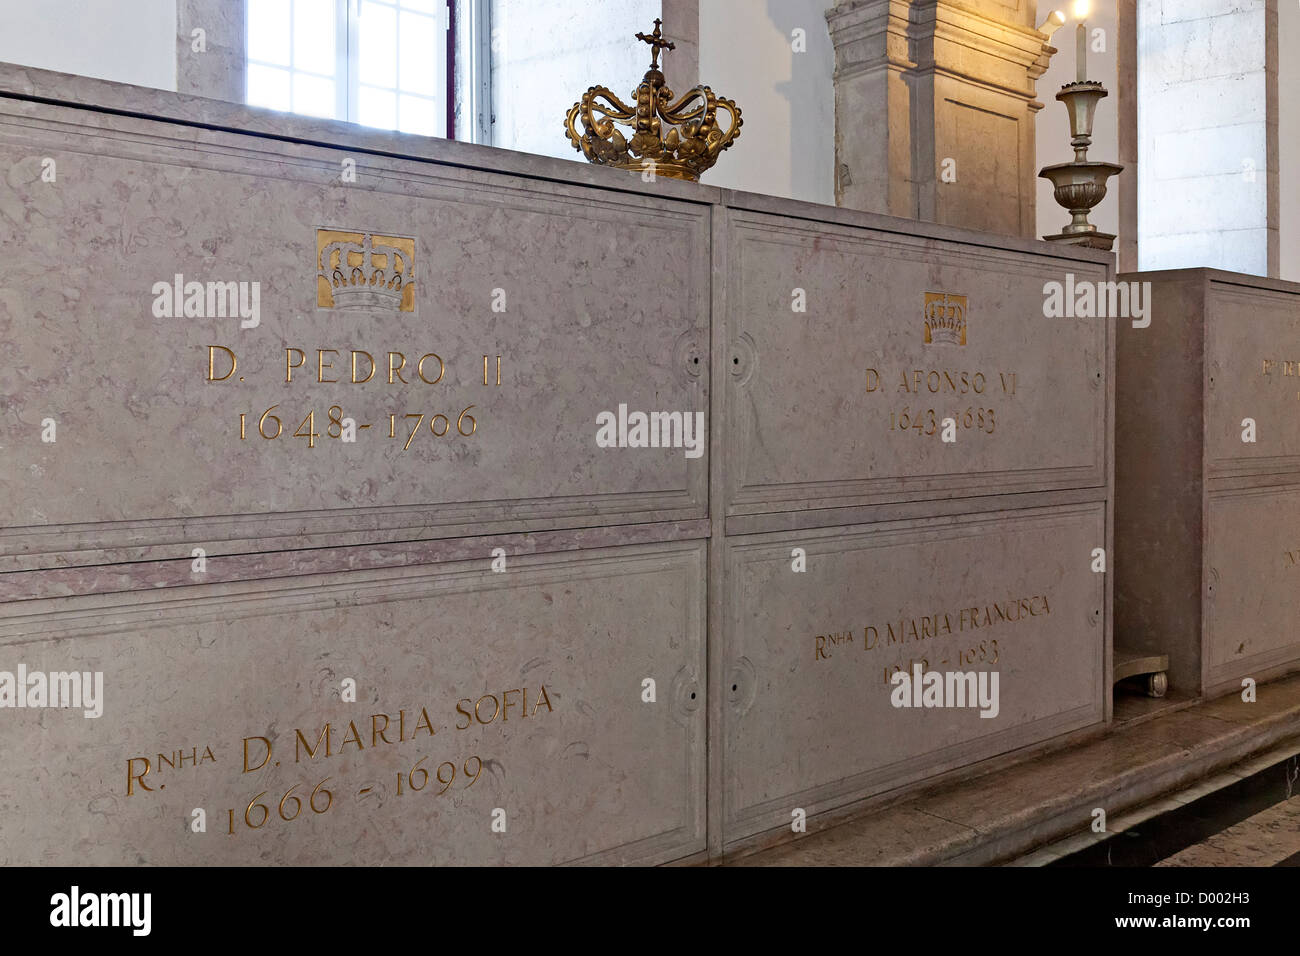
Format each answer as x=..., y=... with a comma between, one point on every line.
x=365, y=274
x=693, y=139
x=945, y=319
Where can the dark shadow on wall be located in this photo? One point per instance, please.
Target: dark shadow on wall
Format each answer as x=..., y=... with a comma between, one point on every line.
x=810, y=69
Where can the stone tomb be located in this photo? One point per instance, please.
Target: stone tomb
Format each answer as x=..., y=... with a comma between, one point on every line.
x=1208, y=564
x=202, y=533
x=431, y=642
x=966, y=556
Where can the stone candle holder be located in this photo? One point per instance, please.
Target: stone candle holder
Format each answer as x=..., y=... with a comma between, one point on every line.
x=1080, y=184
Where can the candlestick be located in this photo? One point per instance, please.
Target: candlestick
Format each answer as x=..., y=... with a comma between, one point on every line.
x=1081, y=184
x=1081, y=53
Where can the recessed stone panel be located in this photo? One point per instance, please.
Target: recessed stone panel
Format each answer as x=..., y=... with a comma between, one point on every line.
x=1252, y=371
x=1252, y=585
x=520, y=692
x=850, y=347
x=808, y=720
x=201, y=316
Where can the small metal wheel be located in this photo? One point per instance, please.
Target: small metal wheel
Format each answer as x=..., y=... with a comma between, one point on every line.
x=1157, y=684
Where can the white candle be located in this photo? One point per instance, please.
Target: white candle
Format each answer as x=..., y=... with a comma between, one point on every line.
x=1081, y=53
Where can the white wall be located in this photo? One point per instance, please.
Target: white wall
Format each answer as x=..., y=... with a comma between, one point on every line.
x=1202, y=135
x=546, y=53
x=1052, y=127
x=130, y=41
x=787, y=100
x=1288, y=84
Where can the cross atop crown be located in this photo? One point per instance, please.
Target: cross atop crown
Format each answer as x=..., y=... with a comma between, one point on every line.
x=657, y=42
x=675, y=139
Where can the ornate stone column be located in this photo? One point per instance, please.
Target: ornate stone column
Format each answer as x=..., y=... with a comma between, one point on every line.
x=934, y=109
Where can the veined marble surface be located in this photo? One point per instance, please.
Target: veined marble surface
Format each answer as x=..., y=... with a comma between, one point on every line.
x=374, y=559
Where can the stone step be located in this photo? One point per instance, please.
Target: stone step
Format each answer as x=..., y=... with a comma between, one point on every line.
x=1000, y=815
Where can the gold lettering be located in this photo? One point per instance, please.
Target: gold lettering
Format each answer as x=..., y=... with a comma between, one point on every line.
x=352, y=737
x=543, y=698
x=419, y=369
x=505, y=703
x=423, y=722
x=133, y=779
x=265, y=757
x=301, y=744
x=465, y=713
x=212, y=372
x=376, y=732
x=370, y=374
x=322, y=365
x=495, y=707
x=290, y=364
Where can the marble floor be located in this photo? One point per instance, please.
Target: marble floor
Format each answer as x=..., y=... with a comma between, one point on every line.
x=1247, y=815
x=1269, y=838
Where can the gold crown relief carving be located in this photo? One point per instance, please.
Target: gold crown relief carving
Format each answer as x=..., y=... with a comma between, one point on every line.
x=678, y=140
x=364, y=271
x=945, y=318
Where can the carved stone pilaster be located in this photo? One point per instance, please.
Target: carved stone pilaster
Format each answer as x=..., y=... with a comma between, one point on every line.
x=934, y=110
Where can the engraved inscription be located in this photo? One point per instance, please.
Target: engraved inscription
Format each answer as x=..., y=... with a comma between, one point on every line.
x=360, y=368
x=941, y=624
x=316, y=745
x=1279, y=368
x=972, y=389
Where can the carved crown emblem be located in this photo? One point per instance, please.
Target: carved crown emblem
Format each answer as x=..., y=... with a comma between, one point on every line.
x=364, y=271
x=678, y=140
x=945, y=319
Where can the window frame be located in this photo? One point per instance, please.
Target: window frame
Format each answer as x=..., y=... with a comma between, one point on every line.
x=347, y=49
